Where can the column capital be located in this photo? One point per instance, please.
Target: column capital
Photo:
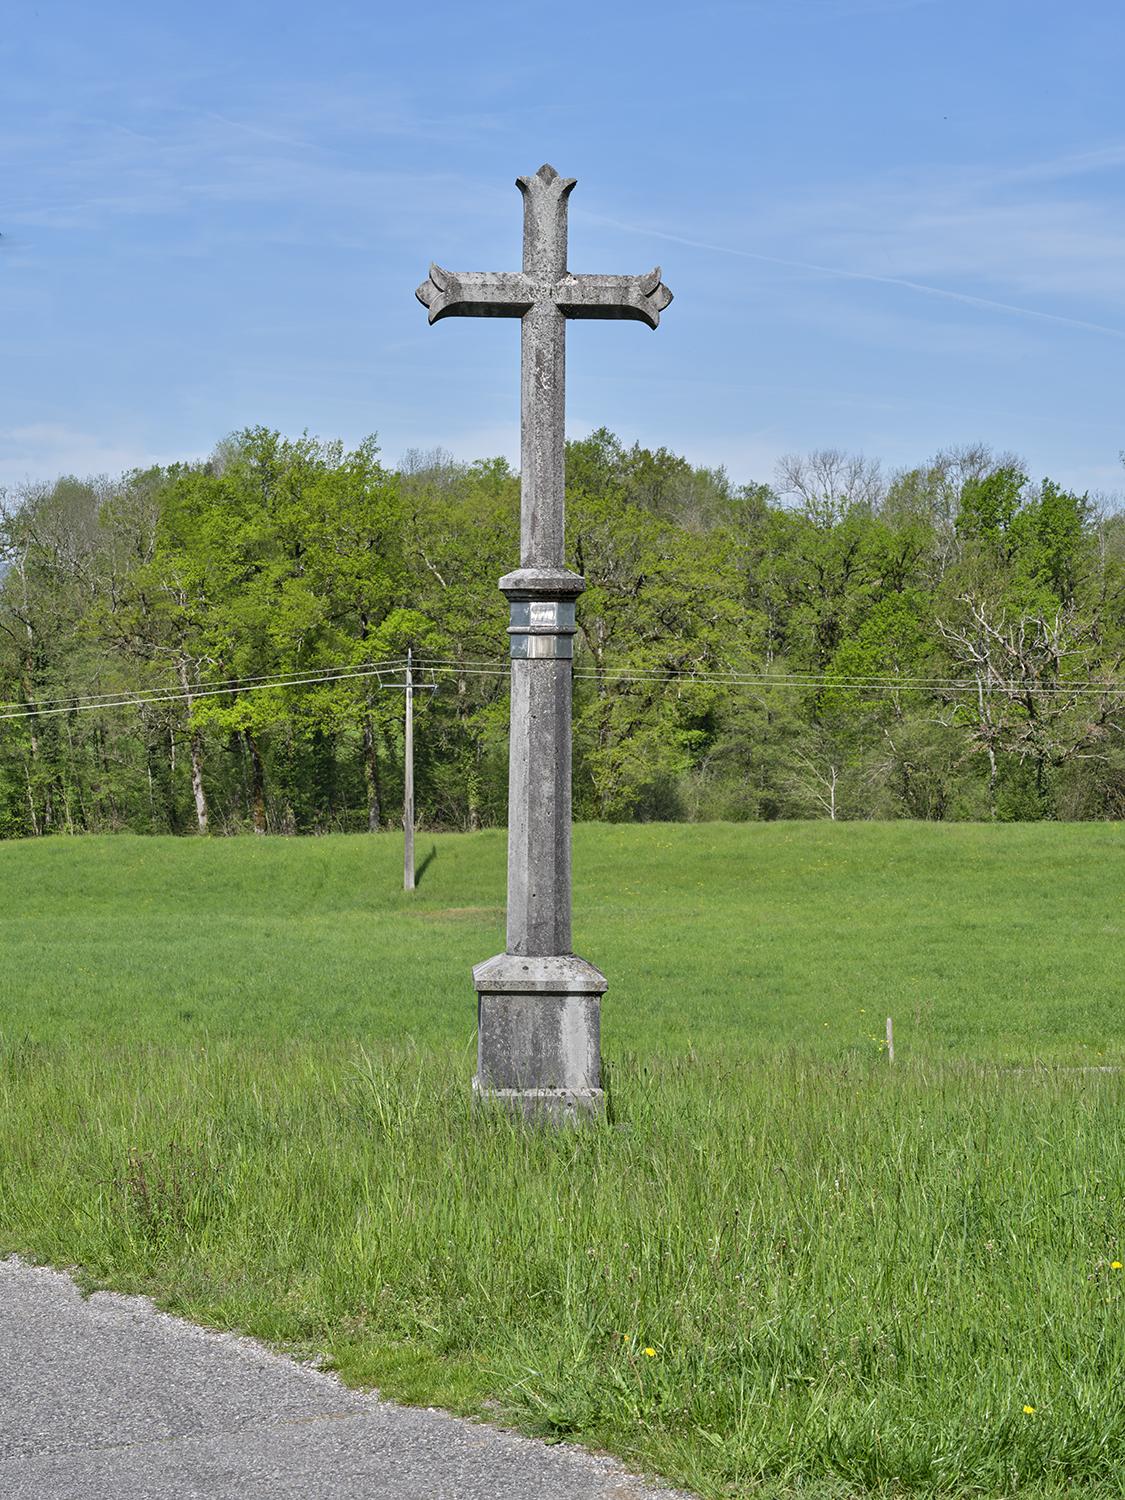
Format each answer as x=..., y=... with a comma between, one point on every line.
x=542, y=583
x=520, y=974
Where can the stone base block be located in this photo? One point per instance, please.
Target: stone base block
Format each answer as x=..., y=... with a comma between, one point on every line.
x=543, y=1106
x=539, y=1036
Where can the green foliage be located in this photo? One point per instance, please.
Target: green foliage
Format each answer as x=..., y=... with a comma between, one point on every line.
x=989, y=507
x=659, y=603
x=1053, y=548
x=963, y=629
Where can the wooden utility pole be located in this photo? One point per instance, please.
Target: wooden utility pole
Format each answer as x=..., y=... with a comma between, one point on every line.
x=408, y=781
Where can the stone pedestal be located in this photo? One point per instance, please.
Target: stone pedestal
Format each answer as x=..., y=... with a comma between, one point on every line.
x=539, y=1036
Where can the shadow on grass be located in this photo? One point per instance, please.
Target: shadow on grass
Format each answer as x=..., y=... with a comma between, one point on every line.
x=425, y=865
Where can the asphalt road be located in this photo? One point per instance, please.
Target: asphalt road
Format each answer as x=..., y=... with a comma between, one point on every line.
x=106, y=1398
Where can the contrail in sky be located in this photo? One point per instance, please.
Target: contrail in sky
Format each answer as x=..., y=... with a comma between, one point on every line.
x=837, y=271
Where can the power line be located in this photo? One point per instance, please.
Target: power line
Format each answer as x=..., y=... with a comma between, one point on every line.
x=651, y=676
x=137, y=700
x=894, y=681
x=817, y=681
x=897, y=681
x=225, y=684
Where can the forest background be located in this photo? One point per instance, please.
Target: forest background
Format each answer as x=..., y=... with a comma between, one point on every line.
x=944, y=642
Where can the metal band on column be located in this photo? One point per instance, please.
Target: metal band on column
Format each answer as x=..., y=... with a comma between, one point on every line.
x=541, y=628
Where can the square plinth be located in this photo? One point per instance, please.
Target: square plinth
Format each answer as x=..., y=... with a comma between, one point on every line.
x=539, y=1036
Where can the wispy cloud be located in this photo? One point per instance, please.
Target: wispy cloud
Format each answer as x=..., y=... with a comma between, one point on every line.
x=1061, y=168
x=963, y=235
x=1000, y=231
x=305, y=159
x=844, y=274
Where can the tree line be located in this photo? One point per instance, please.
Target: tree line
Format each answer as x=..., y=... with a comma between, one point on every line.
x=943, y=642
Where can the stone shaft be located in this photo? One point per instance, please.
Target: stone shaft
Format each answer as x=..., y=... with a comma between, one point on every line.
x=542, y=436
x=541, y=643
x=539, y=808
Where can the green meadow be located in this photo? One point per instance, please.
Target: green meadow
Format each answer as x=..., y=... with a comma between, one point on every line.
x=234, y=1075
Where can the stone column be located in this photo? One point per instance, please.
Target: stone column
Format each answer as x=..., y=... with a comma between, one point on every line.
x=539, y=1006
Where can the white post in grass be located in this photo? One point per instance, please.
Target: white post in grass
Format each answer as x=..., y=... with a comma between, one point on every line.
x=890, y=1040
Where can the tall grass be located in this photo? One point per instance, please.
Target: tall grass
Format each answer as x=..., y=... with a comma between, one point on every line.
x=851, y=1279
x=843, y=1274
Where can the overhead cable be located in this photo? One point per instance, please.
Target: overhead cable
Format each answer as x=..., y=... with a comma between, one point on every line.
x=651, y=677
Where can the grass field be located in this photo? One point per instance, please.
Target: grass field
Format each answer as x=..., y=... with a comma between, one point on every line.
x=234, y=1075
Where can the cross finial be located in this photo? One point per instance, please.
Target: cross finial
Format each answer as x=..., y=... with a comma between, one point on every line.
x=544, y=221
x=543, y=294
x=544, y=279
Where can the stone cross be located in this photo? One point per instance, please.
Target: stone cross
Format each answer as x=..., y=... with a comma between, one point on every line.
x=539, y=1006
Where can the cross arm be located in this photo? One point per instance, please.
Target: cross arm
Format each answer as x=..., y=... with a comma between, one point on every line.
x=475, y=294
x=640, y=298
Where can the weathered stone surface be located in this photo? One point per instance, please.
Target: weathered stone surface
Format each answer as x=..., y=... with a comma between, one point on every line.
x=544, y=294
x=543, y=1106
x=542, y=583
x=555, y=974
x=539, y=1042
x=539, y=769
x=539, y=1035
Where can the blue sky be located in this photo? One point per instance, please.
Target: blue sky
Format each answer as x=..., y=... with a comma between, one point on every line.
x=890, y=225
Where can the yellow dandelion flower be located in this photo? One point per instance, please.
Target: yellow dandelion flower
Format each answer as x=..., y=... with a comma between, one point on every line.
x=1115, y=1265
x=1029, y=1411
x=651, y=1353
